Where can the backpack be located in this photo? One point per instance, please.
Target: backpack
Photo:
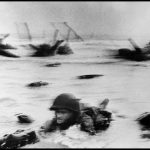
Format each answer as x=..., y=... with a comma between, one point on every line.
x=93, y=119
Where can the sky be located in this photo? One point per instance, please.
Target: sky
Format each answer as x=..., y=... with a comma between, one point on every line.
x=112, y=18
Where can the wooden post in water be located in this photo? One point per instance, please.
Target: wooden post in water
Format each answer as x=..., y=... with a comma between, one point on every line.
x=18, y=30
x=68, y=35
x=28, y=31
x=52, y=23
x=137, y=48
x=69, y=31
x=79, y=37
x=26, y=28
x=55, y=36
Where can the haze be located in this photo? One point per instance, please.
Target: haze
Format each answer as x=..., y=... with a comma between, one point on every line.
x=111, y=18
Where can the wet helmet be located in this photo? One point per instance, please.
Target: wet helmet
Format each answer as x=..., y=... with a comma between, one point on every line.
x=66, y=101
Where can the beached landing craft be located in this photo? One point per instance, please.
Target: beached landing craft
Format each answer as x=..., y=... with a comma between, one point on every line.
x=138, y=54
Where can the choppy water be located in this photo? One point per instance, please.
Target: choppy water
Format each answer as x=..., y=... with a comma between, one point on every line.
x=125, y=83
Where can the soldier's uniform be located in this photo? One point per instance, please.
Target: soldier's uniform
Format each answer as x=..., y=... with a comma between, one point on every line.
x=94, y=119
x=90, y=120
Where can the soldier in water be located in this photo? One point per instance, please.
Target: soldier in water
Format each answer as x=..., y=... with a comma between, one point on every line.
x=68, y=112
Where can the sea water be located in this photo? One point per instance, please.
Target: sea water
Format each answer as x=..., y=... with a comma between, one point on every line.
x=125, y=83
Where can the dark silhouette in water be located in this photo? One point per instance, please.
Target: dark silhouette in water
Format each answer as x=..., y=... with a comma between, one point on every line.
x=144, y=119
x=37, y=84
x=90, y=76
x=6, y=46
x=18, y=139
x=24, y=118
x=132, y=55
x=64, y=49
x=7, y=54
x=45, y=49
x=41, y=50
x=53, y=65
x=135, y=55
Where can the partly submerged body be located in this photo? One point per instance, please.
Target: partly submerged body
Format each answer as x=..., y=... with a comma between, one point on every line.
x=132, y=55
x=91, y=120
x=138, y=54
x=44, y=50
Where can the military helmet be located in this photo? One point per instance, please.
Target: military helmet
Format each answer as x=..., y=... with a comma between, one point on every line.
x=66, y=101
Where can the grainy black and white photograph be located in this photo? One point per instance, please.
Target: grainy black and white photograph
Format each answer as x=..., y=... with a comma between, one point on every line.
x=74, y=74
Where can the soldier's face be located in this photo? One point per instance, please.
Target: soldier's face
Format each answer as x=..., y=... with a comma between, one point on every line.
x=62, y=115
